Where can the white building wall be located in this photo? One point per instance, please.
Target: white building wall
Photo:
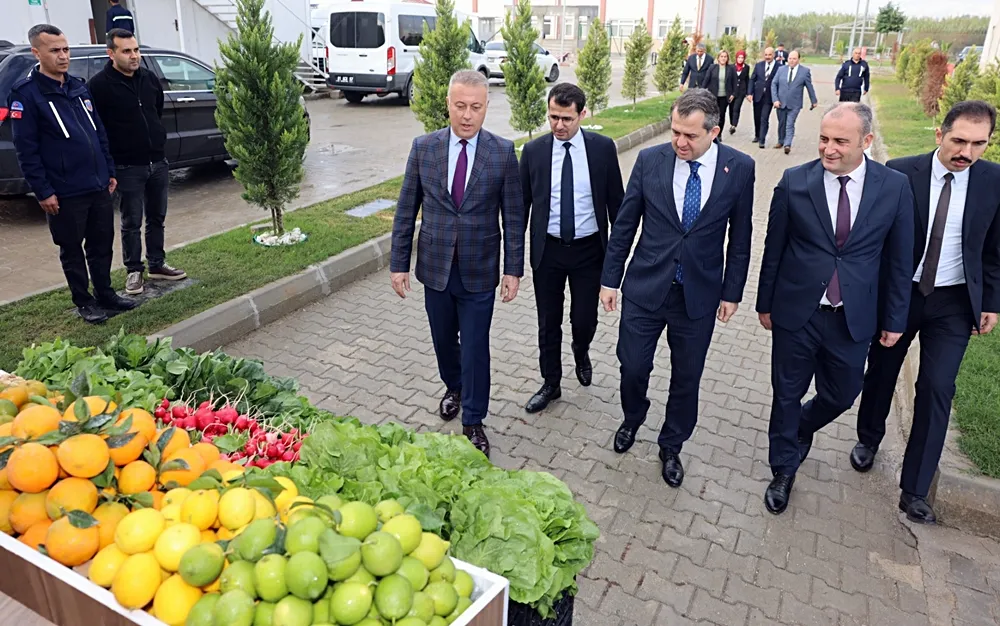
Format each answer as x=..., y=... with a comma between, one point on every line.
x=71, y=16
x=991, y=48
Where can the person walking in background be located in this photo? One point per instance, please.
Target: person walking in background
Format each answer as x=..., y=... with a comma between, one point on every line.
x=835, y=224
x=129, y=99
x=686, y=194
x=955, y=288
x=721, y=82
x=759, y=92
x=786, y=92
x=852, y=79
x=572, y=180
x=464, y=181
x=62, y=150
x=780, y=55
x=118, y=17
x=742, y=72
x=696, y=68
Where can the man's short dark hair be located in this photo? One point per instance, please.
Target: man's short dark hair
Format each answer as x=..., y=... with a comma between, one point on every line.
x=975, y=110
x=694, y=100
x=38, y=30
x=118, y=33
x=566, y=94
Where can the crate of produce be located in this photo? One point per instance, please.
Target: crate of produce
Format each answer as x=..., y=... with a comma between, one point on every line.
x=523, y=615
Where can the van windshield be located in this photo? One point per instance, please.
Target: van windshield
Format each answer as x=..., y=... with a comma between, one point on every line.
x=357, y=29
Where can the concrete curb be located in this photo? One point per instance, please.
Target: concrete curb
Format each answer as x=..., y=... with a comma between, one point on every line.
x=232, y=320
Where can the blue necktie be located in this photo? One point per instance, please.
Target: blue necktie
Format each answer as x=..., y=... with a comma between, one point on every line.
x=692, y=207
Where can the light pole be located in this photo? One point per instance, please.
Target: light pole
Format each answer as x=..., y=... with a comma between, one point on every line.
x=854, y=25
x=864, y=21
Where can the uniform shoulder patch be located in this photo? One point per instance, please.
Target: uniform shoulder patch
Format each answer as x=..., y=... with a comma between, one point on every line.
x=16, y=106
x=89, y=105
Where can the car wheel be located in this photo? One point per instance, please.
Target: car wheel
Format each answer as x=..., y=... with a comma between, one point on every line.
x=353, y=97
x=485, y=72
x=553, y=74
x=407, y=94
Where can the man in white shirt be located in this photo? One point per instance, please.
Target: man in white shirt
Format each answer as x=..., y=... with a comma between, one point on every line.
x=955, y=289
x=834, y=224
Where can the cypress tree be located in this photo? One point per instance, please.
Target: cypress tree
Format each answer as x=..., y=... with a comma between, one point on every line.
x=521, y=73
x=636, y=61
x=593, y=70
x=443, y=51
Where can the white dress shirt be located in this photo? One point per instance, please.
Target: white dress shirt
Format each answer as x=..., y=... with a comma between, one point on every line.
x=455, y=149
x=951, y=269
x=791, y=74
x=854, y=188
x=767, y=68
x=583, y=199
x=682, y=171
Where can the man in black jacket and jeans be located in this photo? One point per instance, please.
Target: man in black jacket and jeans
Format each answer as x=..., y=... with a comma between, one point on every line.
x=129, y=100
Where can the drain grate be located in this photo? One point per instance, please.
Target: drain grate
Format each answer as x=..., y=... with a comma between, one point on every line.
x=371, y=208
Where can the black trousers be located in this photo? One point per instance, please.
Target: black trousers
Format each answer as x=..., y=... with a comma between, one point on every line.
x=688, y=340
x=580, y=262
x=143, y=191
x=944, y=320
x=723, y=102
x=84, y=230
x=762, y=119
x=735, y=107
x=850, y=96
x=825, y=349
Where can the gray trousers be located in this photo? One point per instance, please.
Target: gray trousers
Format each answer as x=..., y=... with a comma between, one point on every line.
x=786, y=125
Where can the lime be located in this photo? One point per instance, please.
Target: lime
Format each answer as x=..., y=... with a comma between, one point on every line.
x=411, y=621
x=444, y=596
x=269, y=578
x=202, y=564
x=393, y=597
x=464, y=584
x=234, y=608
x=361, y=576
x=381, y=554
x=201, y=612
x=407, y=529
x=431, y=550
x=414, y=571
x=331, y=502
x=463, y=604
x=370, y=621
x=264, y=615
x=7, y=408
x=239, y=575
x=321, y=610
x=346, y=568
x=423, y=607
x=306, y=575
x=445, y=571
x=255, y=539
x=357, y=519
x=350, y=603
x=292, y=611
x=303, y=535
x=388, y=509
x=437, y=620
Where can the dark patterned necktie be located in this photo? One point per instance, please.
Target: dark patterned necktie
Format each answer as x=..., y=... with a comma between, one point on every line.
x=843, y=230
x=458, y=183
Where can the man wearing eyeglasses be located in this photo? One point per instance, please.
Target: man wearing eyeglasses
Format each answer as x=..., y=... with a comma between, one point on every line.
x=573, y=181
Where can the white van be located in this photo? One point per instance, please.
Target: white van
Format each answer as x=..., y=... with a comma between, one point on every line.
x=372, y=46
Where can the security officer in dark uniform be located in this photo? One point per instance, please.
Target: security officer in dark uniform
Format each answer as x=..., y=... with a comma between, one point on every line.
x=852, y=79
x=63, y=153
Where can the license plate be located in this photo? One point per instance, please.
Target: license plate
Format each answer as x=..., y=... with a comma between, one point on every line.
x=343, y=79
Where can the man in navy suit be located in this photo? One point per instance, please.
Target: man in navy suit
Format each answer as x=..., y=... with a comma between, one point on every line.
x=759, y=92
x=955, y=288
x=466, y=181
x=696, y=68
x=686, y=194
x=834, y=224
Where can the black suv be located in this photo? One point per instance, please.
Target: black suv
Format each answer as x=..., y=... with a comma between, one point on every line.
x=188, y=109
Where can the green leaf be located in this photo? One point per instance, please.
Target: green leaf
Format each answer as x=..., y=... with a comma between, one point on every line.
x=165, y=437
x=4, y=457
x=152, y=456
x=224, y=543
x=278, y=547
x=117, y=441
x=227, y=444
x=143, y=499
x=204, y=482
x=214, y=474
x=119, y=429
x=80, y=386
x=175, y=465
x=334, y=548
x=97, y=422
x=265, y=482
x=70, y=428
x=105, y=478
x=82, y=411
x=50, y=438
x=7, y=441
x=43, y=549
x=82, y=519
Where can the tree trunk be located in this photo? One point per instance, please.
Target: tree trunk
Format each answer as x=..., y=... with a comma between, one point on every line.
x=279, y=220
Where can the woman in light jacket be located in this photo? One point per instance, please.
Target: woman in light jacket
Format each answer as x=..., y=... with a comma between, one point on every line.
x=721, y=81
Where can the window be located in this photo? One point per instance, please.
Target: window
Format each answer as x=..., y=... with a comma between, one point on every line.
x=730, y=30
x=568, y=28
x=487, y=28
x=97, y=64
x=584, y=27
x=411, y=28
x=537, y=49
x=662, y=28
x=80, y=68
x=688, y=26
x=549, y=27
x=181, y=74
x=622, y=28
x=358, y=29
x=496, y=45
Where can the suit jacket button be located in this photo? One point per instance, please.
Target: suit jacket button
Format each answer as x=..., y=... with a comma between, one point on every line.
x=824, y=283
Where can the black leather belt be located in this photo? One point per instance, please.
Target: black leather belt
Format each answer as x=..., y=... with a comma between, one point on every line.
x=576, y=242
x=831, y=309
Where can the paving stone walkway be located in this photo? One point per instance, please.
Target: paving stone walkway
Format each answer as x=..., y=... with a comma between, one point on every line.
x=708, y=552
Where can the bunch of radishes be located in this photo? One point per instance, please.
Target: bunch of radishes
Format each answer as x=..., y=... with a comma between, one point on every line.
x=208, y=421
x=264, y=448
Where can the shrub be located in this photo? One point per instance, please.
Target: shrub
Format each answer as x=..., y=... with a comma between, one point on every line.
x=934, y=79
x=957, y=85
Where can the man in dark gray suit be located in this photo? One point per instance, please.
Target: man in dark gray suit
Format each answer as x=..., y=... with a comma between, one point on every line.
x=696, y=68
x=466, y=181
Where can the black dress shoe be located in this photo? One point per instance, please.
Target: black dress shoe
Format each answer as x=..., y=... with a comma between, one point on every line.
x=732, y=130
x=673, y=471
x=624, y=438
x=805, y=445
x=540, y=400
x=115, y=302
x=450, y=404
x=863, y=457
x=477, y=435
x=92, y=315
x=778, y=492
x=584, y=368
x=917, y=510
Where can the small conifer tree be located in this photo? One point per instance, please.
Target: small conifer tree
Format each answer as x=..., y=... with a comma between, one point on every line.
x=670, y=61
x=957, y=85
x=593, y=71
x=443, y=51
x=521, y=73
x=636, y=61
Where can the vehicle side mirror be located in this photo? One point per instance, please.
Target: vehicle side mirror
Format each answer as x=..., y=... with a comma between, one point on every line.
x=546, y=53
x=482, y=42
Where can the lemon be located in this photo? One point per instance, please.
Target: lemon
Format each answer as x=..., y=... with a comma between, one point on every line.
x=430, y=551
x=173, y=542
x=444, y=596
x=445, y=571
x=137, y=580
x=393, y=597
x=303, y=535
x=139, y=530
x=350, y=603
x=414, y=571
x=269, y=578
x=174, y=600
x=292, y=611
x=388, y=509
x=381, y=554
x=176, y=496
x=171, y=514
x=407, y=529
x=263, y=507
x=237, y=508
x=201, y=508
x=464, y=584
x=290, y=491
x=105, y=565
x=358, y=520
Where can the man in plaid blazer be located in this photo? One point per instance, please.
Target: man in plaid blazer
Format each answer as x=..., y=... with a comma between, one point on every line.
x=466, y=181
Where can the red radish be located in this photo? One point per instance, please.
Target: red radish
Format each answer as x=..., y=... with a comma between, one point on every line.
x=242, y=423
x=296, y=446
x=254, y=426
x=272, y=450
x=288, y=455
x=204, y=420
x=205, y=405
x=207, y=438
x=165, y=403
x=295, y=458
x=160, y=413
x=179, y=411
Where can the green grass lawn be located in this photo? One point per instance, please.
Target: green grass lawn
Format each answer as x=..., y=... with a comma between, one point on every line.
x=821, y=59
x=904, y=129
x=228, y=265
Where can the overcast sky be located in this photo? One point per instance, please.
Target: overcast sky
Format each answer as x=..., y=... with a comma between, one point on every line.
x=915, y=8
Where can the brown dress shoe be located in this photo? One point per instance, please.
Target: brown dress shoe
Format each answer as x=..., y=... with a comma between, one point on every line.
x=450, y=404
x=477, y=435
x=778, y=146
x=788, y=149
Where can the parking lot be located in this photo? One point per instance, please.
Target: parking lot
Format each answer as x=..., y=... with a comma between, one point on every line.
x=353, y=146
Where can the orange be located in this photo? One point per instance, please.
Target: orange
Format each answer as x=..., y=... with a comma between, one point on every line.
x=70, y=545
x=18, y=395
x=4, y=485
x=178, y=441
x=225, y=466
x=84, y=456
x=108, y=515
x=71, y=494
x=96, y=404
x=142, y=422
x=131, y=451
x=32, y=468
x=6, y=430
x=35, y=421
x=27, y=510
x=207, y=451
x=158, y=499
x=208, y=536
x=7, y=499
x=35, y=535
x=136, y=477
x=195, y=462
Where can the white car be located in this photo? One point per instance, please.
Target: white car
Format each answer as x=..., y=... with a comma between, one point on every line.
x=496, y=55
